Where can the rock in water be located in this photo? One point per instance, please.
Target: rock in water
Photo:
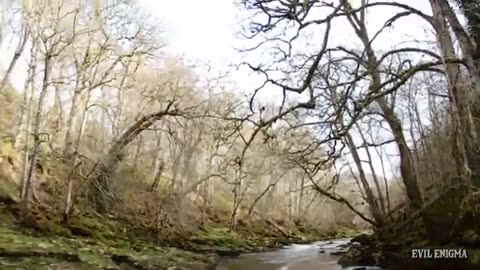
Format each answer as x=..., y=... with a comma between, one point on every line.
x=363, y=239
x=358, y=255
x=339, y=252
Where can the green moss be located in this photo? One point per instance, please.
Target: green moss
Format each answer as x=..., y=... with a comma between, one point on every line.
x=44, y=224
x=441, y=216
x=219, y=237
x=93, y=254
x=474, y=256
x=91, y=227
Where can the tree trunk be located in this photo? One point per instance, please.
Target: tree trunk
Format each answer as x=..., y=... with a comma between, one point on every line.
x=58, y=113
x=100, y=191
x=36, y=135
x=120, y=100
x=369, y=196
x=300, y=199
x=26, y=134
x=72, y=162
x=465, y=135
x=374, y=176
x=407, y=167
x=158, y=157
x=72, y=120
x=472, y=105
x=371, y=200
x=471, y=9
x=236, y=199
x=158, y=177
x=138, y=150
x=25, y=109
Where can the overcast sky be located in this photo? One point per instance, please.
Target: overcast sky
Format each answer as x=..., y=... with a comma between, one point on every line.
x=202, y=30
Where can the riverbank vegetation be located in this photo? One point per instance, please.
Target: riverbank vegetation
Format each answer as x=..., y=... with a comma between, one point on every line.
x=110, y=144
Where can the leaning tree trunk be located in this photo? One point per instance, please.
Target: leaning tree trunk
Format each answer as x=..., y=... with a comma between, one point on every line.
x=100, y=192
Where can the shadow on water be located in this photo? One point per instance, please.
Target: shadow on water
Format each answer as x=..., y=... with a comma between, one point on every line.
x=315, y=256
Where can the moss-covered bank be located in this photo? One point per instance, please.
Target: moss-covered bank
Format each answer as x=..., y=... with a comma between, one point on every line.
x=398, y=255
x=449, y=222
x=38, y=240
x=39, y=243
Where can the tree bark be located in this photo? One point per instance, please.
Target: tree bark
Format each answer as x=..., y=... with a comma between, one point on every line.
x=26, y=132
x=371, y=200
x=72, y=116
x=25, y=109
x=72, y=162
x=381, y=199
x=471, y=10
x=100, y=192
x=464, y=130
x=26, y=195
x=158, y=177
x=138, y=150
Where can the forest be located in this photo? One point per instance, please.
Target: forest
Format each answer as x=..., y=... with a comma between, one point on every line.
x=117, y=154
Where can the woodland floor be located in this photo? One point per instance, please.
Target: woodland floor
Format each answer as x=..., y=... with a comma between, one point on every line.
x=38, y=242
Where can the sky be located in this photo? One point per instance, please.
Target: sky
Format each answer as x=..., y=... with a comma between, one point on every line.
x=198, y=30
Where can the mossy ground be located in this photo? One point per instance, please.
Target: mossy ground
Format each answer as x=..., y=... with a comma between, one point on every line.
x=48, y=247
x=39, y=240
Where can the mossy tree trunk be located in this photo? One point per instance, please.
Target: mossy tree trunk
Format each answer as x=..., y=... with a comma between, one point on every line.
x=100, y=192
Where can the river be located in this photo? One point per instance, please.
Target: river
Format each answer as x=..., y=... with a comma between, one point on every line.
x=315, y=256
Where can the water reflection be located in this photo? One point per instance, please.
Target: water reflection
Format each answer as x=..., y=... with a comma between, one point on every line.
x=295, y=257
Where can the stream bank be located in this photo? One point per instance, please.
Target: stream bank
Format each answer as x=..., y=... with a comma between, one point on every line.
x=38, y=240
x=369, y=250
x=447, y=222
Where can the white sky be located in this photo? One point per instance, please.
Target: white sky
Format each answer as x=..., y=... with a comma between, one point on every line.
x=201, y=30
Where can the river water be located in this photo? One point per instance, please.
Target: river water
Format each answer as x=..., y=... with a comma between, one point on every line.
x=315, y=256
